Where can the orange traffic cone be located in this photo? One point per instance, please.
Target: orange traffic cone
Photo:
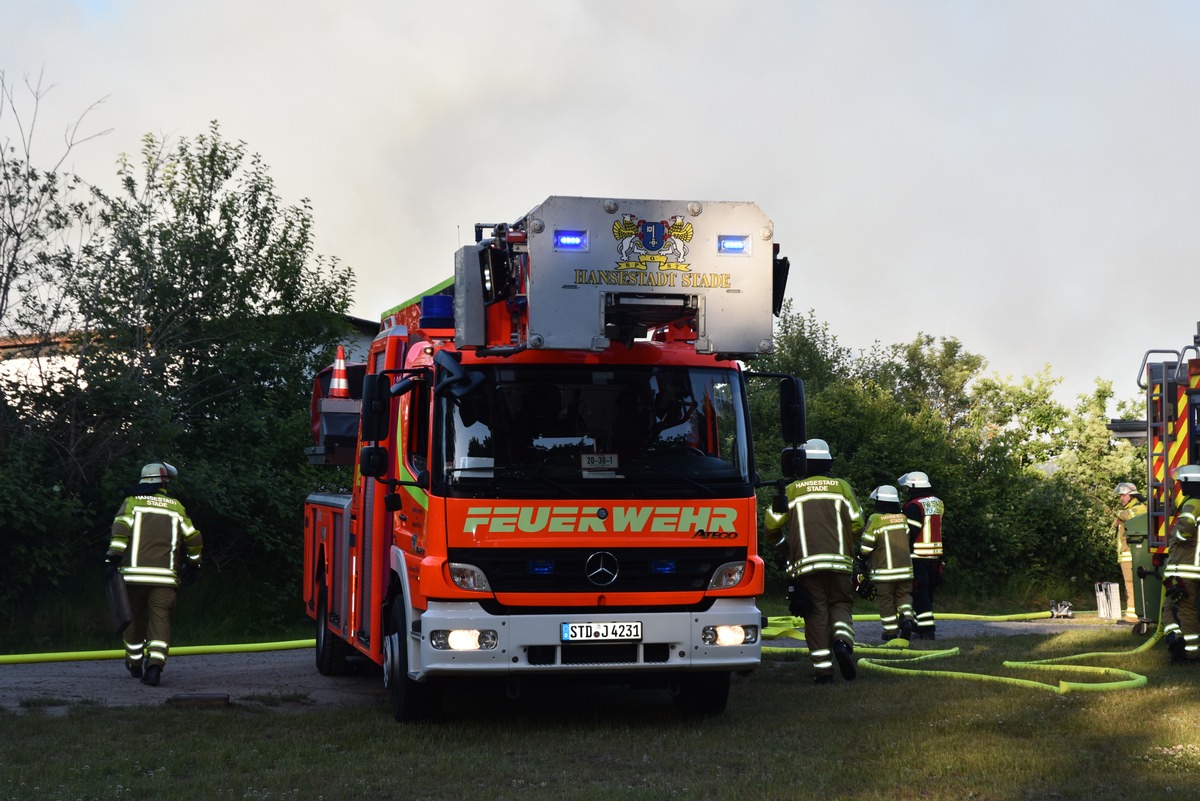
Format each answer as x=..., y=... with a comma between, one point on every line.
x=339, y=387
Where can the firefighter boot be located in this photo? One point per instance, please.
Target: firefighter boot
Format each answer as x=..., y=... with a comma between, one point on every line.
x=844, y=652
x=134, y=668
x=906, y=626
x=153, y=674
x=1176, y=646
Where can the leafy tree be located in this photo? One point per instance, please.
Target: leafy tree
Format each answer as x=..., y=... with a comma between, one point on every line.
x=39, y=211
x=934, y=374
x=1021, y=475
x=209, y=315
x=1024, y=418
x=200, y=315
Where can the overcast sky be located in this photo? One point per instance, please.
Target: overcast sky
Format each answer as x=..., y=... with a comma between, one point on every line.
x=1023, y=176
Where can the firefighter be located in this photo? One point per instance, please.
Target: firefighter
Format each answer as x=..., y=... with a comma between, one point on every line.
x=1133, y=503
x=1182, y=573
x=153, y=544
x=885, y=548
x=924, y=511
x=823, y=518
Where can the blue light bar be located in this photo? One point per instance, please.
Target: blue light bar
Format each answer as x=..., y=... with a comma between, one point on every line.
x=541, y=568
x=662, y=567
x=733, y=245
x=571, y=241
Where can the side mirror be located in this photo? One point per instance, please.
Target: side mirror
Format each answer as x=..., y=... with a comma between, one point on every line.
x=375, y=407
x=373, y=461
x=792, y=421
x=793, y=462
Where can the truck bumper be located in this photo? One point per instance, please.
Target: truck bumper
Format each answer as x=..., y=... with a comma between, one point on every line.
x=532, y=644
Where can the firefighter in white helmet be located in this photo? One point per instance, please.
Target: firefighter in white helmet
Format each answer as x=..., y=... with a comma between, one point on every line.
x=885, y=548
x=924, y=511
x=153, y=543
x=822, y=519
x=1181, y=578
x=1133, y=503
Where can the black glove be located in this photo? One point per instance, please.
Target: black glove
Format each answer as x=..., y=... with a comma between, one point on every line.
x=1175, y=590
x=191, y=574
x=800, y=603
x=110, y=567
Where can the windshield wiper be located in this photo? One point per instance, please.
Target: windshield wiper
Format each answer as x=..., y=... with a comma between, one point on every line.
x=524, y=474
x=653, y=468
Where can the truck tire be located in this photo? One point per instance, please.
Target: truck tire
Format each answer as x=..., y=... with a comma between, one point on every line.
x=703, y=693
x=331, y=650
x=411, y=700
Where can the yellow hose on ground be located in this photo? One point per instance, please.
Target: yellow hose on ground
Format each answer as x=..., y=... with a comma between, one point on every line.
x=898, y=656
x=183, y=650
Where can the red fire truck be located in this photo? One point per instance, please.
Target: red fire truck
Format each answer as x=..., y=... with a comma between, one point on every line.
x=1171, y=381
x=554, y=471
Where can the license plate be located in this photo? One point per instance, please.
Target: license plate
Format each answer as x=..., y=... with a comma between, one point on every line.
x=592, y=632
x=598, y=461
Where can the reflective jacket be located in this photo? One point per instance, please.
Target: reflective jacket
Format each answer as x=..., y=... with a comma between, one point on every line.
x=153, y=535
x=885, y=546
x=1183, y=558
x=925, y=526
x=823, y=519
x=1126, y=513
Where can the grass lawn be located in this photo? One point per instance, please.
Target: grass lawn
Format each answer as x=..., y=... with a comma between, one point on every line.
x=881, y=737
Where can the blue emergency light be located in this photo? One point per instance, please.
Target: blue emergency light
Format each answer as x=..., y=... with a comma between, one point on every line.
x=729, y=245
x=662, y=567
x=571, y=240
x=541, y=568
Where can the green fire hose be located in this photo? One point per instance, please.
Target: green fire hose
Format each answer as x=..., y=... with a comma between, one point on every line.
x=899, y=660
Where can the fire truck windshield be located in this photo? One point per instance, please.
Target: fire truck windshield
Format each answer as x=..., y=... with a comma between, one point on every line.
x=527, y=430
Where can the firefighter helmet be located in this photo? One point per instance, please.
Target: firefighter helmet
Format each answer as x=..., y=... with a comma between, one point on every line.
x=158, y=472
x=1189, y=473
x=817, y=449
x=885, y=493
x=914, y=480
x=1125, y=488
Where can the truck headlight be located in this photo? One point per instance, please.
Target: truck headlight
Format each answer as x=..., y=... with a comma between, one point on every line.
x=728, y=575
x=463, y=639
x=469, y=577
x=729, y=635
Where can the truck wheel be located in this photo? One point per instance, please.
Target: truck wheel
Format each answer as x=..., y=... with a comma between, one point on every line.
x=331, y=650
x=703, y=693
x=411, y=700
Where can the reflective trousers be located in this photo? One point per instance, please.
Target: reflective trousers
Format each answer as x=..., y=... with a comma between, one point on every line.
x=926, y=577
x=894, y=599
x=1127, y=576
x=149, y=635
x=831, y=618
x=1187, y=619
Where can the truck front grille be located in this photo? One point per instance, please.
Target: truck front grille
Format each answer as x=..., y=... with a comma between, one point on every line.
x=599, y=654
x=565, y=570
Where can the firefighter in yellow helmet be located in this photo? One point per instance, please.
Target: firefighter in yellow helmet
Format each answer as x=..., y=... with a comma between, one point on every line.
x=823, y=519
x=153, y=543
x=1133, y=503
x=885, y=548
x=1182, y=573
